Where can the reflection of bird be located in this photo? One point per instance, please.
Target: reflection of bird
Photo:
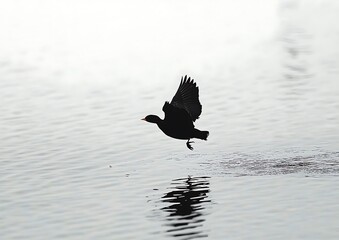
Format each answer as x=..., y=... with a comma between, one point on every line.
x=180, y=114
x=186, y=203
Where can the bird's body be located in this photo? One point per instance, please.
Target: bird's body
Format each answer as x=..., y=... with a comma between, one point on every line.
x=180, y=114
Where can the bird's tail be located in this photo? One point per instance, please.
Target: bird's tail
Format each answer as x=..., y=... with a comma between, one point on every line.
x=201, y=134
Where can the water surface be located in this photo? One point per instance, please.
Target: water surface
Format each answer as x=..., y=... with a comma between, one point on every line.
x=77, y=162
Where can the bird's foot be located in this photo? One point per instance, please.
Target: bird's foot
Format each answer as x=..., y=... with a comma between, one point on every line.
x=188, y=144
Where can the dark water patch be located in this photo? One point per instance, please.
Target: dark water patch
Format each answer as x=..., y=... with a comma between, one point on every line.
x=256, y=165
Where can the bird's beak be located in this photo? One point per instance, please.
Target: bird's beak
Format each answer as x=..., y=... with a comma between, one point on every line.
x=143, y=119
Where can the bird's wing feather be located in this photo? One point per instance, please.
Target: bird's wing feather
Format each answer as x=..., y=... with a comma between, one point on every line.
x=187, y=98
x=176, y=116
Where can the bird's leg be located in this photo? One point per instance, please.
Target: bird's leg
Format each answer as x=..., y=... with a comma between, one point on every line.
x=188, y=144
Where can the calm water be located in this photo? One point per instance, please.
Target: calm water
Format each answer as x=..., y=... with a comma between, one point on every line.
x=77, y=162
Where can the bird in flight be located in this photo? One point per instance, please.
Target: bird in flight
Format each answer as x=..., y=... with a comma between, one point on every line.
x=180, y=114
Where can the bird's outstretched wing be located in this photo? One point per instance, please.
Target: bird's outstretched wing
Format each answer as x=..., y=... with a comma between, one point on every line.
x=187, y=98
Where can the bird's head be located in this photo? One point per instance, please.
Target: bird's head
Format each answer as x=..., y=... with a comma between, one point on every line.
x=152, y=119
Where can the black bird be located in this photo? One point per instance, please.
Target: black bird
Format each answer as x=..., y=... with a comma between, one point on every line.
x=180, y=114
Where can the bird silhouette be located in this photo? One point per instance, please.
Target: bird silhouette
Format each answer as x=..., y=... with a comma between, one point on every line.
x=180, y=114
